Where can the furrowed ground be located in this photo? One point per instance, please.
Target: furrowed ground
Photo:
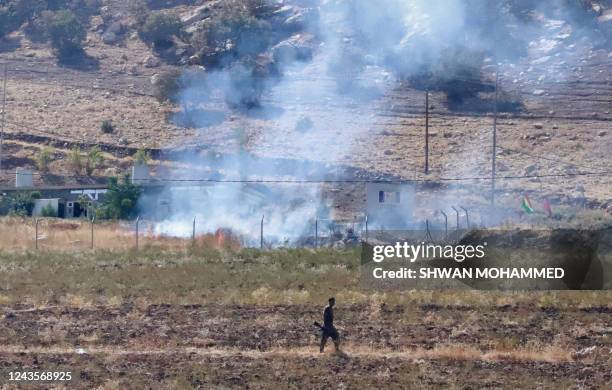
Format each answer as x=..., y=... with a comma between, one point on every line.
x=222, y=318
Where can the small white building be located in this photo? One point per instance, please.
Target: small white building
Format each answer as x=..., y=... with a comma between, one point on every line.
x=24, y=178
x=389, y=205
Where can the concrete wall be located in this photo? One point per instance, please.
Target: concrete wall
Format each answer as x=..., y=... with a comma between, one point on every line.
x=141, y=174
x=24, y=178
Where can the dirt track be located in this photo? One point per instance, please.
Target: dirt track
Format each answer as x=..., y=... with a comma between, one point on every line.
x=238, y=346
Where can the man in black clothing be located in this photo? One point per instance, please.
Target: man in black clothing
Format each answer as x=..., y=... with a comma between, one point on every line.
x=328, y=330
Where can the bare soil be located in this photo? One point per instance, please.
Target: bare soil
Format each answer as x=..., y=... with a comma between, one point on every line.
x=232, y=346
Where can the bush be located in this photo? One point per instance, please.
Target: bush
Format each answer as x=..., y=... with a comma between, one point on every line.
x=160, y=28
x=44, y=159
x=49, y=212
x=6, y=21
x=107, y=127
x=64, y=31
x=22, y=203
x=120, y=200
x=167, y=86
x=142, y=157
x=237, y=22
x=94, y=160
x=75, y=159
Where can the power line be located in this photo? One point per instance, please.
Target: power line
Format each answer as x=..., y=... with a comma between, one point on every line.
x=354, y=181
x=3, y=113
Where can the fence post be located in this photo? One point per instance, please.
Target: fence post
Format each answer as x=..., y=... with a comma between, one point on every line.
x=467, y=216
x=366, y=228
x=193, y=231
x=316, y=232
x=457, y=213
x=93, y=220
x=445, y=224
x=137, y=222
x=36, y=232
x=261, y=241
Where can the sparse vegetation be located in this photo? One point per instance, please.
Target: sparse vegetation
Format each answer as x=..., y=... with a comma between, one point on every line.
x=94, y=160
x=44, y=159
x=75, y=159
x=142, y=157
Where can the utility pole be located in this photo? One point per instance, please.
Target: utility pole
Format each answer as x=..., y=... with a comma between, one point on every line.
x=427, y=132
x=3, y=113
x=493, y=167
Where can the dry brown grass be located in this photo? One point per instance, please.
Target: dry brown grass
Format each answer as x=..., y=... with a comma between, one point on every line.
x=552, y=355
x=18, y=234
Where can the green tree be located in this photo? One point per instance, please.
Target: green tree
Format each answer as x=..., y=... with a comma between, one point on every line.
x=160, y=28
x=94, y=160
x=22, y=203
x=65, y=32
x=120, y=200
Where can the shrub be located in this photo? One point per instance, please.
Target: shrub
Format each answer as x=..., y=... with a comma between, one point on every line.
x=94, y=160
x=49, y=212
x=167, y=86
x=142, y=157
x=107, y=127
x=120, y=200
x=64, y=31
x=234, y=21
x=22, y=203
x=160, y=28
x=6, y=25
x=75, y=159
x=44, y=159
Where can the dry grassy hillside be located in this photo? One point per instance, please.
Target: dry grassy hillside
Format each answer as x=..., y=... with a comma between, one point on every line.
x=563, y=127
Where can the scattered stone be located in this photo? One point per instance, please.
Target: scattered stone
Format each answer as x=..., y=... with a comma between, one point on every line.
x=584, y=352
x=538, y=125
x=602, y=133
x=388, y=152
x=539, y=92
x=501, y=167
x=291, y=50
x=113, y=33
x=530, y=169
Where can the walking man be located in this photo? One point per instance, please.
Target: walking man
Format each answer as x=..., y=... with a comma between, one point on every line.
x=328, y=330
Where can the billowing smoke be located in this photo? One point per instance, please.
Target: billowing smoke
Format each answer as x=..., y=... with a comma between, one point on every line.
x=336, y=59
